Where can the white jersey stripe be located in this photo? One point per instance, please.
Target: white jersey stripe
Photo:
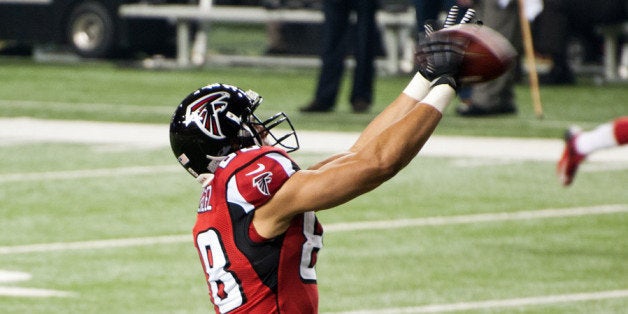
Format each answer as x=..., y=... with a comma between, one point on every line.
x=234, y=196
x=285, y=162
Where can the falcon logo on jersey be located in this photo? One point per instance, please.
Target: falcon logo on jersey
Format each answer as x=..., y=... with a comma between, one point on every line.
x=204, y=113
x=262, y=181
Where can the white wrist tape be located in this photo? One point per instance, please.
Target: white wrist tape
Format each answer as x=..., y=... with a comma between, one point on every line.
x=439, y=97
x=418, y=87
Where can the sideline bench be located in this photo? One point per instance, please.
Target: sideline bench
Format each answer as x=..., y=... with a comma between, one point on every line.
x=397, y=26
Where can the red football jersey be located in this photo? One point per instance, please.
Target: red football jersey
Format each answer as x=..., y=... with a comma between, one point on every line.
x=246, y=273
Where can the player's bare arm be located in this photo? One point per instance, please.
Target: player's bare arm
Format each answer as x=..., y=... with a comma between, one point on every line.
x=391, y=114
x=370, y=163
x=397, y=109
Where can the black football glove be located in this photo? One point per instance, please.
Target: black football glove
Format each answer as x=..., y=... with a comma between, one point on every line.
x=440, y=55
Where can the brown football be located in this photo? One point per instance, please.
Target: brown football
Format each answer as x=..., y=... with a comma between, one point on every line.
x=488, y=53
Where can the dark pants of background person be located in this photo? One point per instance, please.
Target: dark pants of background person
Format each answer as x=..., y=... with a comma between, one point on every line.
x=426, y=10
x=499, y=93
x=337, y=21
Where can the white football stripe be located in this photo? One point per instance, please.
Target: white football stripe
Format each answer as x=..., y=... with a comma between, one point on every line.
x=337, y=227
x=477, y=218
x=491, y=304
x=137, y=135
x=88, y=173
x=31, y=292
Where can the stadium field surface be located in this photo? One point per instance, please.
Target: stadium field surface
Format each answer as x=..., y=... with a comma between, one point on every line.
x=96, y=215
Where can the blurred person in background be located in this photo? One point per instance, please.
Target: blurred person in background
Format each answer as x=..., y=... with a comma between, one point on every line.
x=335, y=31
x=580, y=144
x=496, y=97
x=427, y=10
x=562, y=19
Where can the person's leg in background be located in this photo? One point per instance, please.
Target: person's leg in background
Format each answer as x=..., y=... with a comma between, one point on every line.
x=426, y=10
x=335, y=27
x=580, y=144
x=552, y=29
x=364, y=53
x=496, y=96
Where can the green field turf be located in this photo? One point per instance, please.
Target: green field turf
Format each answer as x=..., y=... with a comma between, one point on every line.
x=52, y=193
x=107, y=92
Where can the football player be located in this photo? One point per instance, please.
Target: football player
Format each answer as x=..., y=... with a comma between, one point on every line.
x=579, y=144
x=256, y=232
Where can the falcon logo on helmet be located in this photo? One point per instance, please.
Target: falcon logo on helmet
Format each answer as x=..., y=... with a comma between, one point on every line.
x=204, y=112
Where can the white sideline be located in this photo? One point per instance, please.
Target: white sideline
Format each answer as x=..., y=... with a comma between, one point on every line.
x=89, y=173
x=491, y=304
x=24, y=130
x=477, y=218
x=7, y=276
x=32, y=292
x=335, y=227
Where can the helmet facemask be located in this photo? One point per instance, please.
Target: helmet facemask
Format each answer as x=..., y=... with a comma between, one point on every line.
x=261, y=130
x=286, y=139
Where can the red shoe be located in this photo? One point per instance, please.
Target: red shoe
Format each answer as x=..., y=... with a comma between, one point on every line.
x=571, y=159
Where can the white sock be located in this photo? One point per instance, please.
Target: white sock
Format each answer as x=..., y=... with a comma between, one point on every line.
x=418, y=87
x=439, y=97
x=599, y=138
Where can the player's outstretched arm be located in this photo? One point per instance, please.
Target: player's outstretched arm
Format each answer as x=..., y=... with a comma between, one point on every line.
x=386, y=146
x=431, y=66
x=403, y=104
x=356, y=172
x=406, y=101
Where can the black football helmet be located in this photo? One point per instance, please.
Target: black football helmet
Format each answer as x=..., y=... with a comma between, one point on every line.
x=218, y=119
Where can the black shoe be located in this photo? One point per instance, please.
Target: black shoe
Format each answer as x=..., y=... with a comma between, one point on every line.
x=556, y=79
x=315, y=107
x=360, y=106
x=472, y=110
x=273, y=51
x=558, y=75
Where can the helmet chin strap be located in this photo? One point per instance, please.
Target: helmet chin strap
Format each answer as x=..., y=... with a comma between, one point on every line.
x=214, y=162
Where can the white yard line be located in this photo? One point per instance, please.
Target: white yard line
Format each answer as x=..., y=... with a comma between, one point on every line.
x=89, y=173
x=86, y=107
x=336, y=227
x=91, y=245
x=24, y=130
x=7, y=276
x=477, y=218
x=33, y=293
x=506, y=303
